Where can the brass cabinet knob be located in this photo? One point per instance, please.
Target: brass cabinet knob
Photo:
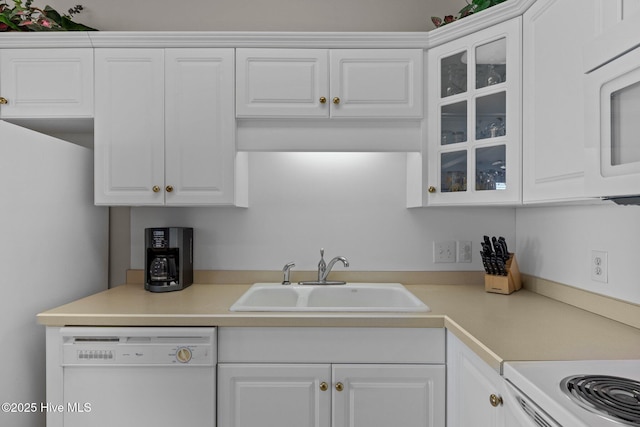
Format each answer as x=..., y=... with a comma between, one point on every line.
x=3, y=101
x=495, y=400
x=156, y=189
x=431, y=189
x=169, y=188
x=339, y=386
x=323, y=100
x=324, y=386
x=336, y=100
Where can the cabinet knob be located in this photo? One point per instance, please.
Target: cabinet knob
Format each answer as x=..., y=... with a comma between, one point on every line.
x=169, y=188
x=156, y=189
x=495, y=400
x=324, y=386
x=431, y=189
x=3, y=101
x=323, y=100
x=339, y=386
x=336, y=100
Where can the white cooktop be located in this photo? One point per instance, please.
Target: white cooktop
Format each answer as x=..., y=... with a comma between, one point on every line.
x=540, y=381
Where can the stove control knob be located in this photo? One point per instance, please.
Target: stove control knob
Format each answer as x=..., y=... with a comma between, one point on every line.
x=495, y=400
x=183, y=355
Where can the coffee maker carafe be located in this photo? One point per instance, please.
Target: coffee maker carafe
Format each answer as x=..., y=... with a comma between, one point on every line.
x=168, y=259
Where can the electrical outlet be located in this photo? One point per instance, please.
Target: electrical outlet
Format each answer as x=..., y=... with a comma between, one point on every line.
x=464, y=251
x=599, y=266
x=444, y=251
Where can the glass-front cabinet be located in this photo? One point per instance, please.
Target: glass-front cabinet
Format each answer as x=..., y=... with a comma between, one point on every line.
x=474, y=135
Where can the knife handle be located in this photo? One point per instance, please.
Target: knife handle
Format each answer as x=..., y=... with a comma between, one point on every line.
x=485, y=264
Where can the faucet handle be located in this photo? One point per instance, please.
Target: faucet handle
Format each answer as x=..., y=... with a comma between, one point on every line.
x=322, y=266
x=286, y=270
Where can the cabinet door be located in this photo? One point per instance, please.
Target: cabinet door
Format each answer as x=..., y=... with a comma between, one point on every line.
x=46, y=83
x=129, y=127
x=257, y=395
x=376, y=83
x=388, y=395
x=282, y=83
x=553, y=98
x=474, y=137
x=200, y=126
x=470, y=384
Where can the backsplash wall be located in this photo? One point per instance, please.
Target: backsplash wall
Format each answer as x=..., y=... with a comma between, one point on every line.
x=555, y=243
x=352, y=204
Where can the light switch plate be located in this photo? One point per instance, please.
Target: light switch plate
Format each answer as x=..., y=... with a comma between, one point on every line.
x=444, y=251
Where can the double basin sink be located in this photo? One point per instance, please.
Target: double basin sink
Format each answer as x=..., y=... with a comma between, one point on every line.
x=378, y=297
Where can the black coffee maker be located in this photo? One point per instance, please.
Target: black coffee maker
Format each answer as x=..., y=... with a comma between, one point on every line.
x=168, y=258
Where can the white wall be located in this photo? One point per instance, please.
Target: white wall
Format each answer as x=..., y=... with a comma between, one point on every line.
x=555, y=243
x=260, y=15
x=352, y=204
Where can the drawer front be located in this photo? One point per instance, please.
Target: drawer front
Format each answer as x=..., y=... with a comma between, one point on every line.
x=331, y=345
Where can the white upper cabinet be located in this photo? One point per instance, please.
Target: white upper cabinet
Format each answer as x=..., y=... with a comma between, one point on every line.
x=376, y=83
x=46, y=83
x=561, y=103
x=474, y=134
x=554, y=98
x=382, y=83
x=129, y=127
x=164, y=127
x=282, y=82
x=612, y=103
x=199, y=126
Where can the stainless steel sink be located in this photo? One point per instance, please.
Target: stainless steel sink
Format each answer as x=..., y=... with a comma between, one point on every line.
x=381, y=297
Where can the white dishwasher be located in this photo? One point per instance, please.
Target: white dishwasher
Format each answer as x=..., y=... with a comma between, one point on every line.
x=131, y=377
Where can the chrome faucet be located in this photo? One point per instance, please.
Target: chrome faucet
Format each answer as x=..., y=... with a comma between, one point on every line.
x=286, y=271
x=324, y=269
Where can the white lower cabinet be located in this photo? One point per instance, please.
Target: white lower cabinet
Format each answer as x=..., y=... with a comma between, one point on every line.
x=473, y=389
x=387, y=395
x=323, y=395
x=274, y=395
x=395, y=385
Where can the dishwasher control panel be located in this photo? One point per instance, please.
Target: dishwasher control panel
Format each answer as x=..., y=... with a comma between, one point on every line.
x=175, y=346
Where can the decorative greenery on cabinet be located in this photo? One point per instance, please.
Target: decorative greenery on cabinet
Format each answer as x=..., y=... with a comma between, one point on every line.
x=26, y=17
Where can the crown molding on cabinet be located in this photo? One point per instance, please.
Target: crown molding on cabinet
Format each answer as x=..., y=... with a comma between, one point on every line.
x=260, y=39
x=204, y=39
x=76, y=39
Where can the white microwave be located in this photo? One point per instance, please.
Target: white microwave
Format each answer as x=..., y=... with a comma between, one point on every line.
x=612, y=108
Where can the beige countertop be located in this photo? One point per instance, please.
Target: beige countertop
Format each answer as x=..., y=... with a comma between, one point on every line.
x=522, y=326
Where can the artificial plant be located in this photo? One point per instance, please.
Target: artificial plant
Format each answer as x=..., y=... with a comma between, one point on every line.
x=18, y=16
x=474, y=6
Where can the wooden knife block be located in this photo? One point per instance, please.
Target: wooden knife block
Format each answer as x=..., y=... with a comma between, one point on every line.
x=504, y=284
